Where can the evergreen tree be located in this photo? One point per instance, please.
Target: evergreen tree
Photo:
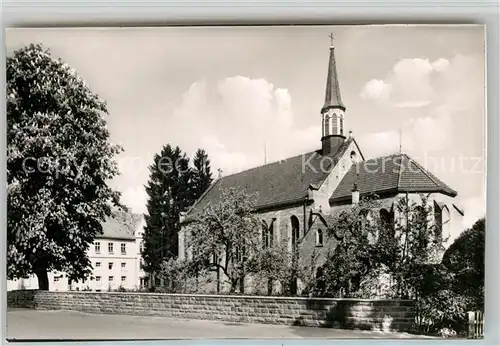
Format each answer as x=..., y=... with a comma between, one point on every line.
x=202, y=177
x=169, y=194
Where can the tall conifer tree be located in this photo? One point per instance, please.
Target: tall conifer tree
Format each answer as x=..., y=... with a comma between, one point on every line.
x=172, y=188
x=202, y=176
x=168, y=192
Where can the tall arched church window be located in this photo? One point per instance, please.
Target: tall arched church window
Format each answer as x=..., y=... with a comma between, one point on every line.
x=438, y=221
x=319, y=237
x=295, y=229
x=270, y=235
x=446, y=222
x=265, y=235
x=327, y=125
x=341, y=125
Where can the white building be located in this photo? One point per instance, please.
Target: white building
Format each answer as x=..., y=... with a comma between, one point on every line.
x=115, y=256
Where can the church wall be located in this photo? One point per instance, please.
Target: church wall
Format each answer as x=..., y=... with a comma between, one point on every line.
x=322, y=195
x=282, y=228
x=312, y=255
x=282, y=235
x=455, y=227
x=283, y=225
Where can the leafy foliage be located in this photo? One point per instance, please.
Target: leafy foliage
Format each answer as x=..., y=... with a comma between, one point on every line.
x=353, y=258
x=375, y=253
x=184, y=276
x=58, y=163
x=455, y=286
x=418, y=244
x=277, y=265
x=465, y=258
x=227, y=232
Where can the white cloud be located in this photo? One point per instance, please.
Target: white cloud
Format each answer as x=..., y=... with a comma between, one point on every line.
x=434, y=132
x=440, y=65
x=376, y=89
x=235, y=118
x=408, y=85
x=231, y=119
x=227, y=160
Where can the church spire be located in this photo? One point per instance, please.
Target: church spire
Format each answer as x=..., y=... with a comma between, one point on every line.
x=332, y=95
x=332, y=113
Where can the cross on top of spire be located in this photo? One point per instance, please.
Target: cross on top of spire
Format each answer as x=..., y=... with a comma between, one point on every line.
x=331, y=39
x=332, y=97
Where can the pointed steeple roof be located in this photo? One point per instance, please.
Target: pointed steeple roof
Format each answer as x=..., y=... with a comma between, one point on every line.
x=332, y=96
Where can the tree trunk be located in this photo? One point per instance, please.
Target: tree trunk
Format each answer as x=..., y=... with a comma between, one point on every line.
x=234, y=284
x=43, y=280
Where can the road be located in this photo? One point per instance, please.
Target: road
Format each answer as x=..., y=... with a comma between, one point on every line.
x=25, y=324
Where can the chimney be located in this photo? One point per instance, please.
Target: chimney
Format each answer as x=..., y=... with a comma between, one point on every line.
x=350, y=133
x=355, y=194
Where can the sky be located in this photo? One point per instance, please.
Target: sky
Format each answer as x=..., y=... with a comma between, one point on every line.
x=253, y=94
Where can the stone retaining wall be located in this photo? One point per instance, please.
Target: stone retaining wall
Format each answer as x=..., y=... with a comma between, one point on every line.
x=21, y=299
x=394, y=315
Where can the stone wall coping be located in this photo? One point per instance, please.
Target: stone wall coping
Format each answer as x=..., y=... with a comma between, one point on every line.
x=223, y=296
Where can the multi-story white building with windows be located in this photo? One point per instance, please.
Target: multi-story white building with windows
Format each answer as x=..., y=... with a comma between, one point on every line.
x=115, y=256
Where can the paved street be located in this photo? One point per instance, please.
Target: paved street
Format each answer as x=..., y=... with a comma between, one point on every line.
x=35, y=324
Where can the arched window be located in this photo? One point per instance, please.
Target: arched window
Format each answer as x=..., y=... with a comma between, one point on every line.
x=438, y=221
x=270, y=235
x=265, y=235
x=319, y=237
x=295, y=229
x=341, y=124
x=327, y=125
x=446, y=222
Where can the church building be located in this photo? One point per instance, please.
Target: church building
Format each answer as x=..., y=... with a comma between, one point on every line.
x=298, y=196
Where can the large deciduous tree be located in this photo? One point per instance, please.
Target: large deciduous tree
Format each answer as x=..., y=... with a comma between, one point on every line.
x=375, y=251
x=59, y=161
x=226, y=235
x=353, y=258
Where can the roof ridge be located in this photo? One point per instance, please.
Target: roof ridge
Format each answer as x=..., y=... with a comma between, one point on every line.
x=271, y=163
x=383, y=156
